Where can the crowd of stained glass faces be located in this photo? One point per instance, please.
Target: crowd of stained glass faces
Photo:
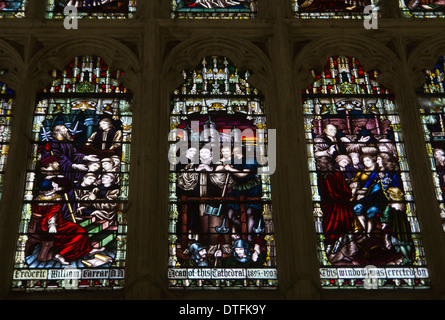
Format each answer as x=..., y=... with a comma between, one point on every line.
x=72, y=232
x=364, y=211
x=226, y=9
x=220, y=211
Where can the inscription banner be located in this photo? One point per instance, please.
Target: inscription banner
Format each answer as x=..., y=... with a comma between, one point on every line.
x=221, y=273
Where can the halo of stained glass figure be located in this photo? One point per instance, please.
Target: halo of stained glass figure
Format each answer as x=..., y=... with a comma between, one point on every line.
x=72, y=232
x=364, y=213
x=432, y=103
x=214, y=9
x=220, y=211
x=332, y=9
x=101, y=9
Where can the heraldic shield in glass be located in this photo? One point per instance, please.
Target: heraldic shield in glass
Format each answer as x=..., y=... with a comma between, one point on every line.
x=220, y=211
x=335, y=9
x=432, y=103
x=214, y=9
x=422, y=8
x=12, y=8
x=364, y=212
x=73, y=223
x=101, y=9
x=7, y=100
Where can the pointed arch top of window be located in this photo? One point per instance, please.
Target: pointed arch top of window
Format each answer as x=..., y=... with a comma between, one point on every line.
x=95, y=9
x=217, y=75
x=13, y=8
x=344, y=75
x=422, y=9
x=86, y=75
x=332, y=9
x=214, y=9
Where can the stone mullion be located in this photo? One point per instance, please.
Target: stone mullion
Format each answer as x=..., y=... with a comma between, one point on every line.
x=294, y=227
x=427, y=210
x=13, y=188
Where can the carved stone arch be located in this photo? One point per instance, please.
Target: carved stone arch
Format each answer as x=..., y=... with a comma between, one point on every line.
x=423, y=57
x=243, y=54
x=11, y=60
x=371, y=53
x=57, y=55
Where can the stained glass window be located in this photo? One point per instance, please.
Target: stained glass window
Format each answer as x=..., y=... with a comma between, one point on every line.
x=432, y=102
x=12, y=8
x=73, y=223
x=220, y=211
x=7, y=97
x=103, y=9
x=422, y=8
x=364, y=212
x=214, y=9
x=336, y=9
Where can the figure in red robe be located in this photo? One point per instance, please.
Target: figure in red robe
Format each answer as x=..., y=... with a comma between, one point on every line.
x=70, y=239
x=335, y=193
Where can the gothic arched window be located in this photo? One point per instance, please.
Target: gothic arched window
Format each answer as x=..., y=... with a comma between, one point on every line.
x=422, y=8
x=432, y=102
x=12, y=8
x=364, y=212
x=73, y=223
x=7, y=97
x=108, y=9
x=220, y=212
x=214, y=9
x=325, y=9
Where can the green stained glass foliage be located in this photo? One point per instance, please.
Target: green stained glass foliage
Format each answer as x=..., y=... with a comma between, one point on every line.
x=220, y=210
x=432, y=103
x=332, y=9
x=363, y=207
x=7, y=98
x=12, y=8
x=72, y=233
x=422, y=8
x=214, y=9
x=100, y=9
